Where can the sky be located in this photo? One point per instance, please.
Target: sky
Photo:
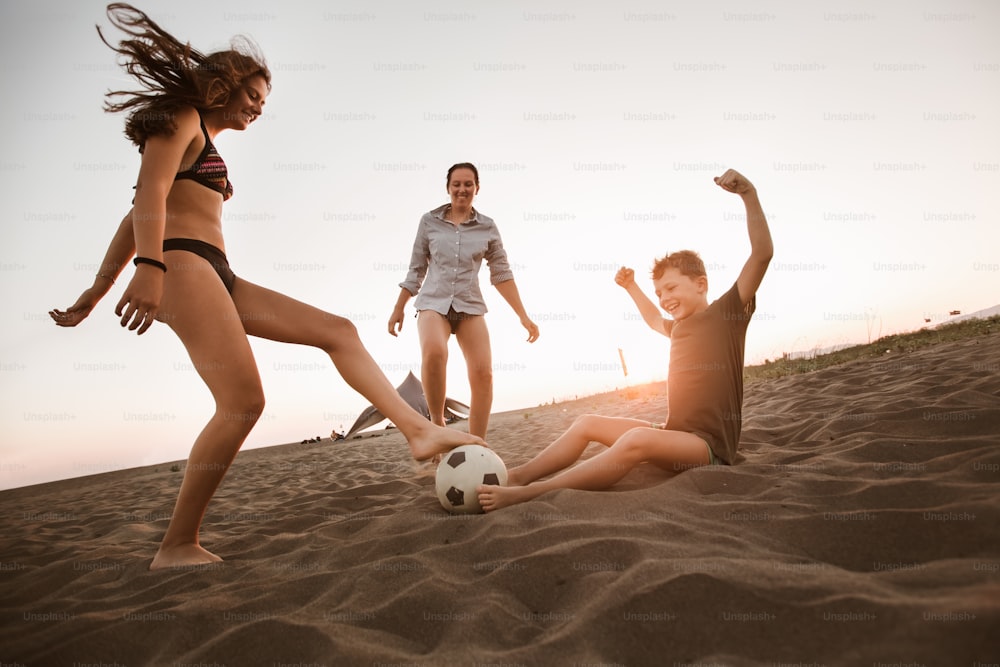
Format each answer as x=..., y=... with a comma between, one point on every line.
x=870, y=130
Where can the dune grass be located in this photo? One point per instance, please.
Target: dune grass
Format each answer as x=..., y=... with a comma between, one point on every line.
x=896, y=343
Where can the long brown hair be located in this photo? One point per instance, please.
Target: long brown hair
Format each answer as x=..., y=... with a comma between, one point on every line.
x=172, y=74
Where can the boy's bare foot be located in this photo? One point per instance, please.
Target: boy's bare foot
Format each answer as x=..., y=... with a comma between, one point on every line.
x=514, y=477
x=182, y=555
x=433, y=439
x=496, y=497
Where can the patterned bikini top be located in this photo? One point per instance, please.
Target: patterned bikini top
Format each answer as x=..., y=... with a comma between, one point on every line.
x=209, y=169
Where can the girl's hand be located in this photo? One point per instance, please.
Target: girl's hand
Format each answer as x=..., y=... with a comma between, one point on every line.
x=141, y=300
x=79, y=311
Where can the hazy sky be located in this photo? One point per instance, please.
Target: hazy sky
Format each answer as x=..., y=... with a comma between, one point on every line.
x=870, y=129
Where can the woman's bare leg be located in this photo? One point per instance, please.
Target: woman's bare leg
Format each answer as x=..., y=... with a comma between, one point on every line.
x=269, y=314
x=474, y=339
x=567, y=448
x=435, y=331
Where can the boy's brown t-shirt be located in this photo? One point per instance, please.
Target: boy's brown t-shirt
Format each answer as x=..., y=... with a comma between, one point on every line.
x=705, y=381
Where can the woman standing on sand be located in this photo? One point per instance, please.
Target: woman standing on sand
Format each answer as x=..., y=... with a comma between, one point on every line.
x=182, y=276
x=452, y=241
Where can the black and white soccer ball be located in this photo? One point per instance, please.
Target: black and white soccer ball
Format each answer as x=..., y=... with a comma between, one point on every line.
x=461, y=471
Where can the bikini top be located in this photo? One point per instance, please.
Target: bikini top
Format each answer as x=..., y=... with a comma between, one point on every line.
x=209, y=169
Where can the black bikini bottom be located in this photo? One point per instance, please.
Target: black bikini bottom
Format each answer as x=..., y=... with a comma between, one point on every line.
x=210, y=253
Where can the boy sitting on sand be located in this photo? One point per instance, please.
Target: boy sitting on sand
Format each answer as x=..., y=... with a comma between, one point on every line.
x=704, y=388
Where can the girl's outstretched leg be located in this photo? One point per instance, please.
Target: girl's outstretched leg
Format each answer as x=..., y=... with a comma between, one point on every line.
x=269, y=314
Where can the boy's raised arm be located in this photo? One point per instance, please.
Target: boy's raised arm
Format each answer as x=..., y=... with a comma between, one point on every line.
x=761, y=247
x=650, y=313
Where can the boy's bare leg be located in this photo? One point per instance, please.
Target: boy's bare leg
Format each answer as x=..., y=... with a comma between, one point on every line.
x=567, y=448
x=667, y=449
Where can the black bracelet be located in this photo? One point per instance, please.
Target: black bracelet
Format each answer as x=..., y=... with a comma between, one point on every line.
x=152, y=262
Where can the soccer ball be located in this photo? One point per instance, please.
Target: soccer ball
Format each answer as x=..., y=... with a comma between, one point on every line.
x=461, y=471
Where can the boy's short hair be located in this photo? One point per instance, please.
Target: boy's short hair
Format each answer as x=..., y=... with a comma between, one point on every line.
x=686, y=261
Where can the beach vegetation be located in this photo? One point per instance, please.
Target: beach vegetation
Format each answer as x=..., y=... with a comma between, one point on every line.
x=878, y=349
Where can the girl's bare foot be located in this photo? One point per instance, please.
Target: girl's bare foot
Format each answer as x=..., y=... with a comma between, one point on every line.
x=182, y=555
x=432, y=439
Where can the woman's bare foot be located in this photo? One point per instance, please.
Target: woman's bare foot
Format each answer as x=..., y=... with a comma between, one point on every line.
x=432, y=439
x=182, y=555
x=496, y=497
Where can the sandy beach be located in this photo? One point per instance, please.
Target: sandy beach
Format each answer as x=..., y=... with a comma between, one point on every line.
x=860, y=528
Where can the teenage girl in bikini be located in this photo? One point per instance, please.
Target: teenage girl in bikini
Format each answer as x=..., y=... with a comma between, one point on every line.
x=182, y=276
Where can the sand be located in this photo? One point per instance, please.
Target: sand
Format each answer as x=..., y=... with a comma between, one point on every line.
x=862, y=527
